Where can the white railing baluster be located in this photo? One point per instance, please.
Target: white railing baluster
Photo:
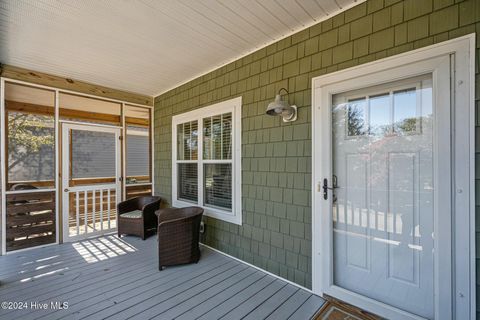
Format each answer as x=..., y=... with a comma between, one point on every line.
x=86, y=210
x=109, y=200
x=101, y=209
x=94, y=193
x=77, y=212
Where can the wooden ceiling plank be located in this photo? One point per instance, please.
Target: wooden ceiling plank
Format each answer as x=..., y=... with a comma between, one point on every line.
x=137, y=121
x=45, y=79
x=31, y=108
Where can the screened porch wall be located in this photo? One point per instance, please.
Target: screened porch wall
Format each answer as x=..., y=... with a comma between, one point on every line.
x=32, y=206
x=29, y=147
x=276, y=156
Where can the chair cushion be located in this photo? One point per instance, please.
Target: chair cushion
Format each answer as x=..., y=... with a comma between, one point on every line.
x=135, y=214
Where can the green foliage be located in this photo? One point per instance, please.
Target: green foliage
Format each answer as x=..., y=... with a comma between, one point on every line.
x=27, y=134
x=356, y=120
x=407, y=125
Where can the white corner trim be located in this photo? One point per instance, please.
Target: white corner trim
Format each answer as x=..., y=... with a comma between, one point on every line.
x=438, y=49
x=462, y=53
x=258, y=268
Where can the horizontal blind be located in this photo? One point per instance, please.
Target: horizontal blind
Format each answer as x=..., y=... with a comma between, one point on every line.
x=187, y=175
x=218, y=185
x=187, y=141
x=227, y=136
x=217, y=137
x=138, y=155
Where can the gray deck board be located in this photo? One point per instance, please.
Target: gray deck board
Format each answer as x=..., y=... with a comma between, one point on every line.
x=81, y=282
x=236, y=300
x=165, y=296
x=308, y=307
x=214, y=301
x=111, y=304
x=158, y=309
x=290, y=305
x=254, y=301
x=118, y=278
x=213, y=292
x=120, y=291
x=70, y=256
x=272, y=303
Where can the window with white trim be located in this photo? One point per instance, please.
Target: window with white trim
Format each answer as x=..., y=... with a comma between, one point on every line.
x=206, y=160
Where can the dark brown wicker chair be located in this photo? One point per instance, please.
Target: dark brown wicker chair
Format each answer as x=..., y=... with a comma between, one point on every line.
x=178, y=236
x=137, y=215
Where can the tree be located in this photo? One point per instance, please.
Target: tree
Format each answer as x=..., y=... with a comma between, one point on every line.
x=30, y=139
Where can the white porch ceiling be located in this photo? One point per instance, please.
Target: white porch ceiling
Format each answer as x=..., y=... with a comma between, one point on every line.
x=147, y=46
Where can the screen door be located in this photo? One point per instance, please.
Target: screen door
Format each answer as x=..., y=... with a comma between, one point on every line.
x=91, y=179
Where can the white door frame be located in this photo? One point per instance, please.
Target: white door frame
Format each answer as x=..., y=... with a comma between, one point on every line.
x=460, y=268
x=66, y=126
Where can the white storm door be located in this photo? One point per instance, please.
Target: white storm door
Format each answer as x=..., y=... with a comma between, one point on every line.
x=91, y=179
x=386, y=214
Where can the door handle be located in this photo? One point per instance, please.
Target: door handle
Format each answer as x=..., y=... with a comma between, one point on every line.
x=326, y=187
x=66, y=190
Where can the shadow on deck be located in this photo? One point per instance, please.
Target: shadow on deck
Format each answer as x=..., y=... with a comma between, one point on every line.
x=118, y=278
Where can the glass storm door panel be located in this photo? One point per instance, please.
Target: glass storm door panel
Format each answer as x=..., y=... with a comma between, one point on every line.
x=383, y=214
x=91, y=180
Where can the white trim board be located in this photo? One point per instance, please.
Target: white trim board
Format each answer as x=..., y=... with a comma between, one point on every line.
x=258, y=268
x=462, y=56
x=233, y=106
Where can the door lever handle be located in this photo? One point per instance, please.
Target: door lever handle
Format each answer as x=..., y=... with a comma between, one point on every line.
x=326, y=187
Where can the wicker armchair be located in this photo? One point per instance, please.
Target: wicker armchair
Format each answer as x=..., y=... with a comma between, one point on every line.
x=178, y=236
x=137, y=215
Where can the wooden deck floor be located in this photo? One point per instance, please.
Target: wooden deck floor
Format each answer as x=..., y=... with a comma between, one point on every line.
x=112, y=278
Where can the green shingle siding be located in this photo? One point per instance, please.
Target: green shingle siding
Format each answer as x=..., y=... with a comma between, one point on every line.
x=276, y=156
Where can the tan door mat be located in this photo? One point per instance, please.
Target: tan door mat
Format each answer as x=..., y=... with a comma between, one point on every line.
x=337, y=310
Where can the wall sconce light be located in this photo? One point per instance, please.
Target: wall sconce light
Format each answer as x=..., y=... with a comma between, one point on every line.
x=282, y=108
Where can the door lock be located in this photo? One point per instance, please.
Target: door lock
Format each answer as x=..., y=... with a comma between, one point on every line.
x=66, y=190
x=326, y=187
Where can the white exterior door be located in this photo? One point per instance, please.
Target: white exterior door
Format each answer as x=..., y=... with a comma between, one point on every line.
x=382, y=220
x=91, y=179
x=382, y=207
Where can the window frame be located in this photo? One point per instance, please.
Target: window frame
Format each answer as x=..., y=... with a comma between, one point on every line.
x=389, y=89
x=234, y=106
